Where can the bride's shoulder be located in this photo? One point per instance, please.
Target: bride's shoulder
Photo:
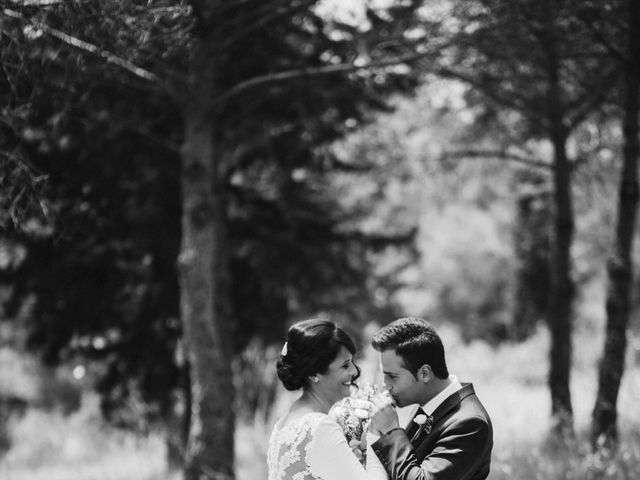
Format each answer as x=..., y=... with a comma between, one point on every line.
x=296, y=428
x=296, y=419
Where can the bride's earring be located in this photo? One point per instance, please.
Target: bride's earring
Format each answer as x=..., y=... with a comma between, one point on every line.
x=314, y=379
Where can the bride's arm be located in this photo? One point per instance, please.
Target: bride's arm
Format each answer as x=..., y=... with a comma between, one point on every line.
x=375, y=468
x=331, y=458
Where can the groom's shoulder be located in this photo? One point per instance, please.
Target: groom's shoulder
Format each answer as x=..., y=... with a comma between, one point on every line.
x=470, y=404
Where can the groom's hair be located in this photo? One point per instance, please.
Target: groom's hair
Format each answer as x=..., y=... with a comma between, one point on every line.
x=416, y=342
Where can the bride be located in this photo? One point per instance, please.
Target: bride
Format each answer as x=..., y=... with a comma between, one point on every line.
x=306, y=444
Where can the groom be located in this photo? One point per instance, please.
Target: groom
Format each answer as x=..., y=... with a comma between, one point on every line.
x=450, y=437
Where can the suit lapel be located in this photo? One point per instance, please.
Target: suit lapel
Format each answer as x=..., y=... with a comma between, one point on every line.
x=412, y=428
x=451, y=402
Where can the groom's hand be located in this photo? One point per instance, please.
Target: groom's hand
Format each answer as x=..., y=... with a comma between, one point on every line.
x=385, y=417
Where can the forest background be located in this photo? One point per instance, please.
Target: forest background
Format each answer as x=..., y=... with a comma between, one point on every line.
x=181, y=180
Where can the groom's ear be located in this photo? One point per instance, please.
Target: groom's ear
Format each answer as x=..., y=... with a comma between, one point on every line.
x=424, y=373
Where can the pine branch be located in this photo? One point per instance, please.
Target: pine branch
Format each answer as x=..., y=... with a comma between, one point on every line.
x=508, y=99
x=599, y=36
x=87, y=47
x=585, y=104
x=35, y=3
x=22, y=164
x=310, y=72
x=501, y=154
x=379, y=240
x=262, y=21
x=343, y=166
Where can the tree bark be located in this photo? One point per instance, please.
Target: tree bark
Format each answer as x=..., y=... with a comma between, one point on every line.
x=531, y=247
x=179, y=422
x=561, y=292
x=203, y=266
x=562, y=289
x=209, y=451
x=604, y=432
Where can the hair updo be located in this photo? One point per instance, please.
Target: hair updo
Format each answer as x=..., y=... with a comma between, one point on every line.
x=311, y=347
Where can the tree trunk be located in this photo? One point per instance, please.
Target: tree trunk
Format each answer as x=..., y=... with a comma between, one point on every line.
x=209, y=451
x=531, y=247
x=178, y=423
x=604, y=431
x=561, y=294
x=203, y=261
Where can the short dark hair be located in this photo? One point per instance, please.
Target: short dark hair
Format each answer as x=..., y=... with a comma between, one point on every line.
x=416, y=342
x=311, y=347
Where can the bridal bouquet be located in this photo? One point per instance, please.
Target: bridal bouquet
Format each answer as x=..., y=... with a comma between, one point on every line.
x=353, y=414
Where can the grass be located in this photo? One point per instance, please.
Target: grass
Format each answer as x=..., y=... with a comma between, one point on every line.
x=510, y=380
x=48, y=445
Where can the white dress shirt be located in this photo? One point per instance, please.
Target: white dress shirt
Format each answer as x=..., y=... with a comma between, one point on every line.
x=436, y=401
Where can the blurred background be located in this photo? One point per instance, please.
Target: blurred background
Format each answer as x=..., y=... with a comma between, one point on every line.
x=182, y=180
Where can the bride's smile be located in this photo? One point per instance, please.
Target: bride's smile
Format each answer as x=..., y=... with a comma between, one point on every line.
x=336, y=382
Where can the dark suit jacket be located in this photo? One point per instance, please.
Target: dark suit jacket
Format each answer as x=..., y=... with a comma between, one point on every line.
x=458, y=447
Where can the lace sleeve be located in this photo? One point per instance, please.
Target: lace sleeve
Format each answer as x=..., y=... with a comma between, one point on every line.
x=330, y=458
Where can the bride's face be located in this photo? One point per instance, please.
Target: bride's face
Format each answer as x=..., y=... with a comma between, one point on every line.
x=335, y=383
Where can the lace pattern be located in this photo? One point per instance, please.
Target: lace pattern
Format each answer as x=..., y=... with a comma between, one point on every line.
x=287, y=457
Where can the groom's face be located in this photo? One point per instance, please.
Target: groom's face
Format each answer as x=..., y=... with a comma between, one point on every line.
x=403, y=386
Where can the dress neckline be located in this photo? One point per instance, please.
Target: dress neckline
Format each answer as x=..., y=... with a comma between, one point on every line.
x=286, y=421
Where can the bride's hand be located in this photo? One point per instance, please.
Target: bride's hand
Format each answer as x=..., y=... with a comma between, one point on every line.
x=384, y=396
x=358, y=447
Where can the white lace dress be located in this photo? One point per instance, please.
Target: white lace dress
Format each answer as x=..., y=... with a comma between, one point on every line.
x=313, y=447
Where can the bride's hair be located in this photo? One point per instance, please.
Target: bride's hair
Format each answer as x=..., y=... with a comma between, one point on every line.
x=311, y=347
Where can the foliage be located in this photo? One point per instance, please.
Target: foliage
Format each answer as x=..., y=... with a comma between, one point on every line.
x=463, y=209
x=102, y=269
x=541, y=46
x=256, y=382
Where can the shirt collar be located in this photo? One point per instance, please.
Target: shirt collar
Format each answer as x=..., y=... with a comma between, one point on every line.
x=435, y=402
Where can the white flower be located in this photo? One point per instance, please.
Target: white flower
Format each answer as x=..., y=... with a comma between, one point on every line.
x=420, y=419
x=353, y=413
x=361, y=413
x=339, y=411
x=284, y=349
x=425, y=424
x=364, y=404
